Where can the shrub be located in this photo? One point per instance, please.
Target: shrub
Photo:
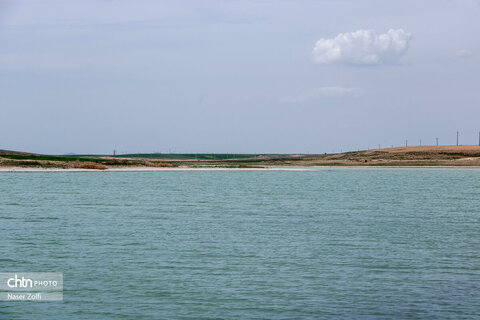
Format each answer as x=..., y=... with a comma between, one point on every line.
x=158, y=164
x=89, y=165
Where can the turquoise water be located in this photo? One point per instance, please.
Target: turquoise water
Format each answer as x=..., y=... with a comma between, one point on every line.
x=333, y=244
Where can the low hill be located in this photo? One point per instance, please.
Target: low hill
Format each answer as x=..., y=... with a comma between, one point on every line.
x=467, y=156
x=401, y=156
x=16, y=153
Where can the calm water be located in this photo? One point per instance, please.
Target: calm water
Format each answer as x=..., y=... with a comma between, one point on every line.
x=336, y=244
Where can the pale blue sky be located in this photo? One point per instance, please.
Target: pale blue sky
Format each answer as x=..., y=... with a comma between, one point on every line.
x=237, y=76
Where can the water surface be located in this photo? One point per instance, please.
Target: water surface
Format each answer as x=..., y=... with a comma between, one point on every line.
x=336, y=244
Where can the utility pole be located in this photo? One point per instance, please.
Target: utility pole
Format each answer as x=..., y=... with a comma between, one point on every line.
x=437, y=139
x=457, y=138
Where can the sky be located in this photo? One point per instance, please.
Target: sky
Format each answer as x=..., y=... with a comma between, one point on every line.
x=237, y=76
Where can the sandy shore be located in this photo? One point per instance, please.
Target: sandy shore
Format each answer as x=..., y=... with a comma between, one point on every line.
x=150, y=169
x=270, y=168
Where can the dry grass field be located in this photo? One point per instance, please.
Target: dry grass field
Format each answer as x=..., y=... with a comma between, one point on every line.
x=465, y=156
x=401, y=156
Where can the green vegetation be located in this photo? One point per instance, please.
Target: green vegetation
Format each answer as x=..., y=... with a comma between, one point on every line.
x=81, y=161
x=413, y=156
x=200, y=156
x=147, y=159
x=53, y=158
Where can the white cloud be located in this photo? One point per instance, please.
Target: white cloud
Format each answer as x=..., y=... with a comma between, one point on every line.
x=323, y=92
x=363, y=47
x=464, y=53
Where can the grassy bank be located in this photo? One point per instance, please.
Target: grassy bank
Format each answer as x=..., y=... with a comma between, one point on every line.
x=462, y=156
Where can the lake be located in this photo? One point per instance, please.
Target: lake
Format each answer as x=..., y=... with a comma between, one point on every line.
x=339, y=243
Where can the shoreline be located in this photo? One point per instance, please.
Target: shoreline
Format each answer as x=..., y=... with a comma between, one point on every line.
x=267, y=168
x=401, y=157
x=150, y=169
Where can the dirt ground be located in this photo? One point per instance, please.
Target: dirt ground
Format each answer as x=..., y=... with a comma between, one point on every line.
x=400, y=156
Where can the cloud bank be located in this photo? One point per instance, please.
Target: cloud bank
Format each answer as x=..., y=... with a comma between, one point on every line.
x=323, y=92
x=362, y=47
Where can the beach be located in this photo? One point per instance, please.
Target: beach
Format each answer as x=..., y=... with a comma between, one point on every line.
x=147, y=169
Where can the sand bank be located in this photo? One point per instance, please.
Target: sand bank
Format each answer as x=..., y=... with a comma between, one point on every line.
x=150, y=169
